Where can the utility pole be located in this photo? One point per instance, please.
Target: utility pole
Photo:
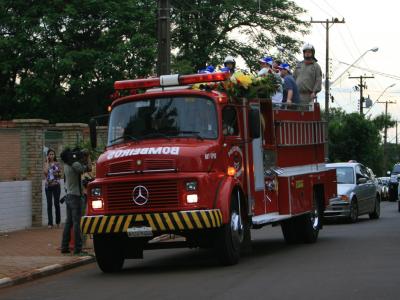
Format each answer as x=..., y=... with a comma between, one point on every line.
x=385, y=134
x=327, y=24
x=362, y=86
x=163, y=37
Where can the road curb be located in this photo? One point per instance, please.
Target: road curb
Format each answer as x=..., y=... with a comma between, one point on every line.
x=45, y=271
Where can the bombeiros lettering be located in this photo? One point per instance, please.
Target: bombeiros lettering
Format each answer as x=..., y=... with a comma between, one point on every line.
x=144, y=151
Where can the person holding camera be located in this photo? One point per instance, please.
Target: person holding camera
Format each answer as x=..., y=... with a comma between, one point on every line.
x=52, y=172
x=76, y=162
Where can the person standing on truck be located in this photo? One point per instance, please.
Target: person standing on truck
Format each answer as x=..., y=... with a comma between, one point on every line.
x=266, y=66
x=76, y=162
x=308, y=75
x=229, y=64
x=290, y=89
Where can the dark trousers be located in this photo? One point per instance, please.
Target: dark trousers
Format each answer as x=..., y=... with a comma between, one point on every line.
x=74, y=213
x=53, y=192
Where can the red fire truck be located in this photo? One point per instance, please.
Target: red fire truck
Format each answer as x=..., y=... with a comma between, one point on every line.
x=207, y=168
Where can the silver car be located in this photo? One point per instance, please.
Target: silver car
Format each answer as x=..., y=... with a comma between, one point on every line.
x=384, y=184
x=357, y=193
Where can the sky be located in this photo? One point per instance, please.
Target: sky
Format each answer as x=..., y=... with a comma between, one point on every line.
x=368, y=24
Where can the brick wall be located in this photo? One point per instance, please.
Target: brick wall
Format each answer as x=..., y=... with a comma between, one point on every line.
x=10, y=149
x=22, y=146
x=15, y=205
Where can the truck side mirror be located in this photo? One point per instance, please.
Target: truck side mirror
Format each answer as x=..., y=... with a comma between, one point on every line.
x=254, y=123
x=93, y=133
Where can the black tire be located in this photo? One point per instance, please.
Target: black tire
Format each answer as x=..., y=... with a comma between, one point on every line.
x=301, y=229
x=232, y=237
x=305, y=228
x=353, y=217
x=109, y=253
x=291, y=231
x=377, y=209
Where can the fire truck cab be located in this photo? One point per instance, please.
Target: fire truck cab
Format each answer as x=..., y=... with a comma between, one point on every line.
x=196, y=168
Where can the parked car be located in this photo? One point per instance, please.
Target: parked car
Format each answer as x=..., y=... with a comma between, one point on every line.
x=384, y=186
x=394, y=183
x=357, y=193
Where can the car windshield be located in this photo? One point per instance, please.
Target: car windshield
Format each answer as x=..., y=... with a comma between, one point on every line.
x=163, y=118
x=396, y=169
x=345, y=175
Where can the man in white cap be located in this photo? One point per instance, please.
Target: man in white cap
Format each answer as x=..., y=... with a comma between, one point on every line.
x=308, y=75
x=266, y=66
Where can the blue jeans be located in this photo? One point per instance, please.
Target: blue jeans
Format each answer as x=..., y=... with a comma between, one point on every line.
x=53, y=191
x=74, y=214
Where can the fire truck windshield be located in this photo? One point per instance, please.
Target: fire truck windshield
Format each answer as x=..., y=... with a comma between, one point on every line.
x=169, y=117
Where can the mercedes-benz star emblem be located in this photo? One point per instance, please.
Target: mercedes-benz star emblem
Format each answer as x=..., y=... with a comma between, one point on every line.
x=140, y=195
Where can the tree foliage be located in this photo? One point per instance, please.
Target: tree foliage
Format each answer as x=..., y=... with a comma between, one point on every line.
x=205, y=31
x=352, y=136
x=59, y=59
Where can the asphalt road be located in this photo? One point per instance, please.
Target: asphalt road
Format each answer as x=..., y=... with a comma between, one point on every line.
x=349, y=261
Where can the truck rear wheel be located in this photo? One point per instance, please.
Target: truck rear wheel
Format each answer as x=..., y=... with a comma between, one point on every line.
x=304, y=228
x=231, y=238
x=109, y=253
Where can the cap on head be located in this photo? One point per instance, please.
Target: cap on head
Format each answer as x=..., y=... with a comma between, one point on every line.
x=267, y=60
x=285, y=66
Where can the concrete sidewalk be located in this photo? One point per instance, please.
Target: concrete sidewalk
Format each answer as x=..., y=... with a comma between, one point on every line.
x=34, y=253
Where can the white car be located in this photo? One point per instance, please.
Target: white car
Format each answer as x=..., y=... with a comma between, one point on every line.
x=357, y=193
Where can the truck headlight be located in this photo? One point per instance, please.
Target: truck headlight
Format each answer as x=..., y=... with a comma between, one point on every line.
x=96, y=192
x=191, y=186
x=192, y=198
x=97, y=204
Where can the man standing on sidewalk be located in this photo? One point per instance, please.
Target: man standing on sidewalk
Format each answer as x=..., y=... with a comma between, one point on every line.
x=308, y=75
x=76, y=162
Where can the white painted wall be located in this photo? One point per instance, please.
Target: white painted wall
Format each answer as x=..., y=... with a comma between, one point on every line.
x=44, y=206
x=15, y=205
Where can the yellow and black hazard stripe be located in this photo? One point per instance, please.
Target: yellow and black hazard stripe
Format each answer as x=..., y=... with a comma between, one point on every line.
x=159, y=222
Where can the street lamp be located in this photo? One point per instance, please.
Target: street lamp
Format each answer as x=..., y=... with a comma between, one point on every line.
x=375, y=49
x=388, y=87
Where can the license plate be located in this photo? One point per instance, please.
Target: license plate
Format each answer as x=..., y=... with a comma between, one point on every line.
x=142, y=231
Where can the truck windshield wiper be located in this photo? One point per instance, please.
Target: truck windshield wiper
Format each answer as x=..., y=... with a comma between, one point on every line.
x=124, y=137
x=155, y=135
x=194, y=133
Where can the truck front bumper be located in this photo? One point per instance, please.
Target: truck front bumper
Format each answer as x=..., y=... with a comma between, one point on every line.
x=159, y=222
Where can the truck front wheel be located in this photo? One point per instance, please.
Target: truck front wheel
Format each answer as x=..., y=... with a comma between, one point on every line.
x=109, y=253
x=230, y=239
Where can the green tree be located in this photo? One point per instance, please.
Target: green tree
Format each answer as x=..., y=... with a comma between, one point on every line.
x=352, y=136
x=59, y=59
x=205, y=31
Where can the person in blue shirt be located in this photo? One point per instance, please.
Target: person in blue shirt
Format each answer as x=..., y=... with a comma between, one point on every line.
x=290, y=89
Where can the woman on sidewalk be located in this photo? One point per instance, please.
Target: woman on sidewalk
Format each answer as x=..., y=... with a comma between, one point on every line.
x=52, y=172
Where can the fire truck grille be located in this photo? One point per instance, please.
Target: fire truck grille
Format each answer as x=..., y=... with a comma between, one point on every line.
x=158, y=164
x=161, y=194
x=123, y=166
x=148, y=165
